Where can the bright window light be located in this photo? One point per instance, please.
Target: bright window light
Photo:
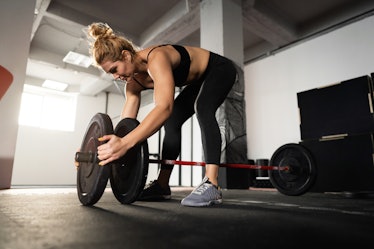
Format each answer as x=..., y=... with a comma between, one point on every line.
x=31, y=109
x=47, y=109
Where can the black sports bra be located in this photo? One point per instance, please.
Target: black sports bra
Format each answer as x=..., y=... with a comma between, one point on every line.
x=180, y=73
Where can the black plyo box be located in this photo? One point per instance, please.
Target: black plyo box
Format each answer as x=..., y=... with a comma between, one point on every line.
x=342, y=108
x=343, y=163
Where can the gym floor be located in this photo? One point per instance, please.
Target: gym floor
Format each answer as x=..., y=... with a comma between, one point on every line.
x=256, y=218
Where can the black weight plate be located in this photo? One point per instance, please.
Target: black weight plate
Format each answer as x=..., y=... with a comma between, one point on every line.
x=301, y=175
x=129, y=173
x=92, y=178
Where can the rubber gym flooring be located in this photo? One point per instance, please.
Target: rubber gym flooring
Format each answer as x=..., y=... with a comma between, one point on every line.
x=256, y=218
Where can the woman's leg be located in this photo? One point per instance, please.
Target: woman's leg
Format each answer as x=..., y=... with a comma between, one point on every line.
x=183, y=109
x=218, y=83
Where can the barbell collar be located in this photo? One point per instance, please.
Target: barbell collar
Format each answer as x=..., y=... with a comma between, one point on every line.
x=85, y=157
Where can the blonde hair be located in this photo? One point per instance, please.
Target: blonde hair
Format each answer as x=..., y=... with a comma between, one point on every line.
x=106, y=44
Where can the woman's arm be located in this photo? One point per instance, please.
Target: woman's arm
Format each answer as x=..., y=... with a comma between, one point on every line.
x=132, y=104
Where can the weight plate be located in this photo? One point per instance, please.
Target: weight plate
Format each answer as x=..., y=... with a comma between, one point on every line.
x=92, y=178
x=301, y=175
x=129, y=173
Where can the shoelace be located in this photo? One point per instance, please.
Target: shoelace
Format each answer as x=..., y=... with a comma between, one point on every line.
x=202, y=188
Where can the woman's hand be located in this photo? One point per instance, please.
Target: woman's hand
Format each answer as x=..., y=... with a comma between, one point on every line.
x=114, y=149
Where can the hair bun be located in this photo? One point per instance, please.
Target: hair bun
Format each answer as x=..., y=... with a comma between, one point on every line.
x=100, y=30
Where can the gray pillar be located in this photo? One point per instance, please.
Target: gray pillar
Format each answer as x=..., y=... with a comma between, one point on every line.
x=222, y=33
x=16, y=19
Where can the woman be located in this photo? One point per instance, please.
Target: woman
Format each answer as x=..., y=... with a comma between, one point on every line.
x=206, y=79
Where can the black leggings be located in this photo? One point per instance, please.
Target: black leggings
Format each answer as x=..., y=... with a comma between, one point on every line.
x=203, y=98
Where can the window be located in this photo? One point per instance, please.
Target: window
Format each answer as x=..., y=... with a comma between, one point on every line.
x=47, y=109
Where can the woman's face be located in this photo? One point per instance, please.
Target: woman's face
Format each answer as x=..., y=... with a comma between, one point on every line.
x=120, y=69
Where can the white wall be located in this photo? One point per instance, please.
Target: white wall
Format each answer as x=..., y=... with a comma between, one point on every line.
x=272, y=83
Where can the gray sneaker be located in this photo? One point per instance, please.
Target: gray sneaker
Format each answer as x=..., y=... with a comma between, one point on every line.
x=206, y=194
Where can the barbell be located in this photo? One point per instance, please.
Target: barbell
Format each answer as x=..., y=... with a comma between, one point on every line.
x=291, y=170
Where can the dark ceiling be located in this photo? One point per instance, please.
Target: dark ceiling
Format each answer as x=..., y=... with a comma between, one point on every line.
x=268, y=26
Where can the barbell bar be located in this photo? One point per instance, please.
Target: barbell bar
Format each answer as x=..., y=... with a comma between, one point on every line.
x=91, y=157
